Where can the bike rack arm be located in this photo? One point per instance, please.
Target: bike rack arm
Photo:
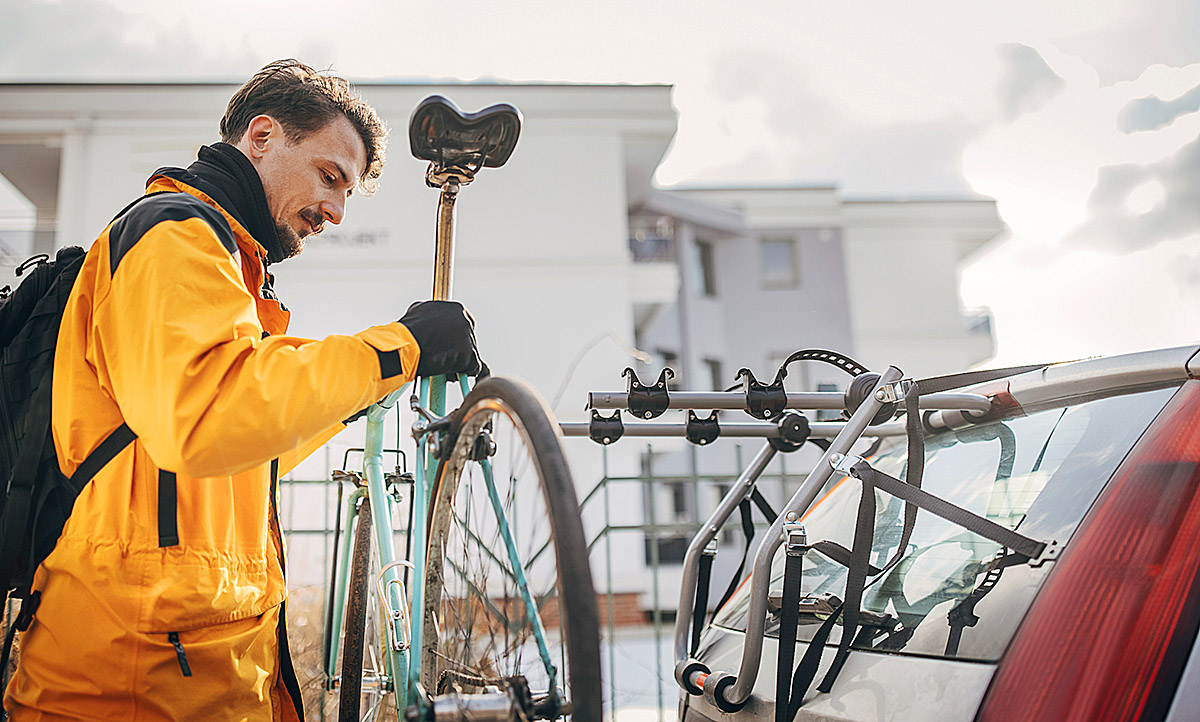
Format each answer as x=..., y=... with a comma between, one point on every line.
x=691, y=563
x=741, y=688
x=975, y=404
x=744, y=430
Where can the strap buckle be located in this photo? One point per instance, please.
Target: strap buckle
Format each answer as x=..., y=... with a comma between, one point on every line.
x=844, y=462
x=795, y=538
x=894, y=392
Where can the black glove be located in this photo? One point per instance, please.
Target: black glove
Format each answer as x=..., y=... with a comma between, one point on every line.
x=445, y=333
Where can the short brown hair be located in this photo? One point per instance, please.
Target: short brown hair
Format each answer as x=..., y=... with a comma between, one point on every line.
x=304, y=101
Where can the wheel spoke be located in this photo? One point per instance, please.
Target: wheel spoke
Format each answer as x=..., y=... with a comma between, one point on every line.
x=477, y=625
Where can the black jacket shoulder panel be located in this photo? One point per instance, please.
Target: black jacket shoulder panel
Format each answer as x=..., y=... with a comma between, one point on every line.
x=127, y=230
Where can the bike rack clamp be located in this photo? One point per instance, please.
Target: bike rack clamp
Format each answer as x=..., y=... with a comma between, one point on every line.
x=763, y=402
x=605, y=429
x=648, y=402
x=702, y=431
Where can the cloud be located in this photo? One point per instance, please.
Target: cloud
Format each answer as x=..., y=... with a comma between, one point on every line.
x=1152, y=112
x=765, y=118
x=1118, y=221
x=1138, y=35
x=1027, y=83
x=87, y=40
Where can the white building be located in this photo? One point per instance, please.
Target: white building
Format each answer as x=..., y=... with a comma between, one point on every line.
x=561, y=294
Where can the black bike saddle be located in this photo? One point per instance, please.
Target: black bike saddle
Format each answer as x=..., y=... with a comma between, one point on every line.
x=441, y=133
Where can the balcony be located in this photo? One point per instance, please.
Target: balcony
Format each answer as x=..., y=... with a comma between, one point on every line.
x=651, y=249
x=981, y=343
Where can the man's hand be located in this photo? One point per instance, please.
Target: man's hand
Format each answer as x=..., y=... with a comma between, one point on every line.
x=445, y=333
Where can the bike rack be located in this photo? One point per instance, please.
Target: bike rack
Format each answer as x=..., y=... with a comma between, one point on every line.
x=724, y=690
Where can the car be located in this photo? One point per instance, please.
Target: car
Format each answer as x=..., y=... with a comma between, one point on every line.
x=1100, y=460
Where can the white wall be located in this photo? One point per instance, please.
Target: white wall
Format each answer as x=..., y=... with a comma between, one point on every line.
x=542, y=256
x=902, y=263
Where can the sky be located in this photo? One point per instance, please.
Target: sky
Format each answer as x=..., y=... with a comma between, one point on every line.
x=1081, y=119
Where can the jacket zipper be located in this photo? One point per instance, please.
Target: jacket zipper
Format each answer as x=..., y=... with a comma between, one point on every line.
x=173, y=638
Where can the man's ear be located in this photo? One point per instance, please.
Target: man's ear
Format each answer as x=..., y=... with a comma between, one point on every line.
x=261, y=134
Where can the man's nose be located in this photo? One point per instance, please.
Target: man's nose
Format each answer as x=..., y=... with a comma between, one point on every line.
x=334, y=209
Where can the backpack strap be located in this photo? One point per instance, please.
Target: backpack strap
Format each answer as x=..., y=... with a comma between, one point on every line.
x=108, y=449
x=168, y=509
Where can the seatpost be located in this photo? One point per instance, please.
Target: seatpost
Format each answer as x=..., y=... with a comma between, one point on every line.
x=443, y=257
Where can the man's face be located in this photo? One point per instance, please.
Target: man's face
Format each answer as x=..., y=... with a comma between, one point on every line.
x=307, y=182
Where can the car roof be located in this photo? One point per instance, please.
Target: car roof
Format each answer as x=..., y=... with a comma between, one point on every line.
x=1103, y=375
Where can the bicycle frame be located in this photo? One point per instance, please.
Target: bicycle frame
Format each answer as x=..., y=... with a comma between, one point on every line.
x=401, y=612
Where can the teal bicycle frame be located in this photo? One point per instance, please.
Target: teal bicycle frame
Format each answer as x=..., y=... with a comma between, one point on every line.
x=402, y=614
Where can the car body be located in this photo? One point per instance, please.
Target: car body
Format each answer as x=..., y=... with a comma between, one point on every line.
x=1100, y=457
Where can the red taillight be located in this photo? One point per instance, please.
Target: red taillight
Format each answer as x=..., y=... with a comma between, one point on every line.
x=1097, y=643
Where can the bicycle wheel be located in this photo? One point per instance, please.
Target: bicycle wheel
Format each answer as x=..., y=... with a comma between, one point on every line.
x=365, y=690
x=476, y=630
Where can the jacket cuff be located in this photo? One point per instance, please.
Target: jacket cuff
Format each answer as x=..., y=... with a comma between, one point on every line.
x=396, y=348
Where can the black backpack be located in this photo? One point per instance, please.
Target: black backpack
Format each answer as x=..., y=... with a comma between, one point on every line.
x=37, y=496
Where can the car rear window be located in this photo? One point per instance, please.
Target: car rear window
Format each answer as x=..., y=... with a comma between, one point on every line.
x=1038, y=473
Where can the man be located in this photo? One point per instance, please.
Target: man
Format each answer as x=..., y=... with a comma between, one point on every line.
x=164, y=598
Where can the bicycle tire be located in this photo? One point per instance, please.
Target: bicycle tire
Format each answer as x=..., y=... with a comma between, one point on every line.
x=361, y=629
x=459, y=650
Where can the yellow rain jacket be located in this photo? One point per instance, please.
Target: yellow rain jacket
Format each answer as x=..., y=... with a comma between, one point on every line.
x=164, y=597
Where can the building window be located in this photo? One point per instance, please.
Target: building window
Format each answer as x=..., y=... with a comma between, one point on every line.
x=828, y=414
x=716, y=379
x=706, y=269
x=779, y=262
x=673, y=504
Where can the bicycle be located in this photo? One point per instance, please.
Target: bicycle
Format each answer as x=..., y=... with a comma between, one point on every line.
x=490, y=614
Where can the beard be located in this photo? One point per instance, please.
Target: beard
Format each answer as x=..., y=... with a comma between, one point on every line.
x=289, y=241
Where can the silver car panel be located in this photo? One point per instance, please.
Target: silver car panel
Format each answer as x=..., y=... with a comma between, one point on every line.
x=1093, y=376
x=871, y=688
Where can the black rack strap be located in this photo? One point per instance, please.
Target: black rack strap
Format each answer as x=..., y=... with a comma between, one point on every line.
x=761, y=502
x=841, y=555
x=856, y=581
x=807, y=671
x=700, y=611
x=986, y=528
x=833, y=358
x=938, y=384
x=962, y=615
x=748, y=533
x=789, y=620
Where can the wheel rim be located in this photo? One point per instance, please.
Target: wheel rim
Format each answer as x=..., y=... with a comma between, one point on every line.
x=377, y=699
x=375, y=696
x=477, y=631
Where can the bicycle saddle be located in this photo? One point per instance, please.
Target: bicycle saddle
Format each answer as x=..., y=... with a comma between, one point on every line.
x=444, y=135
